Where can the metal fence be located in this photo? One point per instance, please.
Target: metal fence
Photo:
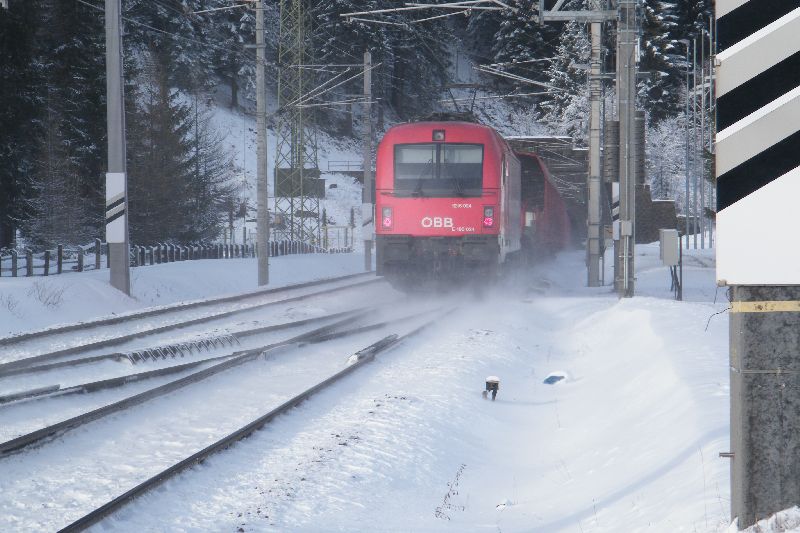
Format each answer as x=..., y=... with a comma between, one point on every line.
x=337, y=239
x=62, y=258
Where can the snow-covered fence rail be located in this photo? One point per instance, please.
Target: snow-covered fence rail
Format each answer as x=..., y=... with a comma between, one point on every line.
x=16, y=262
x=94, y=256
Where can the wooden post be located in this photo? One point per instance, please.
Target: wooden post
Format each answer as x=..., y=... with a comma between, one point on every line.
x=97, y=245
x=29, y=262
x=47, y=262
x=80, y=259
x=14, y=263
x=60, y=258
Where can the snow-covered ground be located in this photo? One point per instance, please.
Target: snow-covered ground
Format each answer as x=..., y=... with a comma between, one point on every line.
x=37, y=302
x=628, y=441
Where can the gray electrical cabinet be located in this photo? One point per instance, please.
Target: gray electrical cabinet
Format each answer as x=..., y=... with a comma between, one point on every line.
x=670, y=246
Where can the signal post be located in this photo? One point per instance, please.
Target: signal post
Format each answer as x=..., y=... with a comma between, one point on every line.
x=758, y=248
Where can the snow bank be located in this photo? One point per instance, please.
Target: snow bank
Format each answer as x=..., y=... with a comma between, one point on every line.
x=787, y=521
x=628, y=442
x=38, y=302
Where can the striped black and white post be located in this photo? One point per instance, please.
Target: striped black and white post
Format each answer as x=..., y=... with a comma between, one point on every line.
x=758, y=248
x=116, y=182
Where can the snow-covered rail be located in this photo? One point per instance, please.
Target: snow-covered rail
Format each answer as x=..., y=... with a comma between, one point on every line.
x=163, y=351
x=222, y=364
x=116, y=338
x=162, y=310
x=152, y=353
x=359, y=359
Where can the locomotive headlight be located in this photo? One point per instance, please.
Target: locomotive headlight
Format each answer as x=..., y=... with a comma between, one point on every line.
x=488, y=216
x=386, y=217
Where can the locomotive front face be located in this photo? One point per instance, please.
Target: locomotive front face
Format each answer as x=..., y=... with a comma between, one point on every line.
x=437, y=182
x=439, y=200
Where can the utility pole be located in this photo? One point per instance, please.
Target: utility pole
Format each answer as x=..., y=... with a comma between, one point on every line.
x=367, y=207
x=703, y=140
x=298, y=186
x=712, y=112
x=758, y=183
x=262, y=208
x=695, y=217
x=116, y=177
x=685, y=42
x=594, y=247
x=626, y=94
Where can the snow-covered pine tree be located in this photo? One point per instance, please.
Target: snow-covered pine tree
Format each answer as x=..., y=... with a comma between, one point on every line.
x=57, y=212
x=565, y=111
x=691, y=16
x=661, y=93
x=210, y=179
x=159, y=161
x=339, y=42
x=20, y=111
x=520, y=39
x=419, y=66
x=230, y=30
x=174, y=35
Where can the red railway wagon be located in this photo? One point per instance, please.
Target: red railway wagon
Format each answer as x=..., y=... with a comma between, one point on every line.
x=448, y=202
x=547, y=228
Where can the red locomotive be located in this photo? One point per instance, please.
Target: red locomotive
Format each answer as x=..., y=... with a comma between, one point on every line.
x=450, y=203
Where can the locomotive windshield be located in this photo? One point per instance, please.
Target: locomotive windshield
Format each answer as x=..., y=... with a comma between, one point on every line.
x=438, y=169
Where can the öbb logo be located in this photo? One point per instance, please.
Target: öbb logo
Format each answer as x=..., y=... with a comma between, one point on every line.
x=437, y=222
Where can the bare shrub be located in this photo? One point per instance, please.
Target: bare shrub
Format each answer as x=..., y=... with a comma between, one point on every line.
x=47, y=294
x=11, y=304
x=443, y=511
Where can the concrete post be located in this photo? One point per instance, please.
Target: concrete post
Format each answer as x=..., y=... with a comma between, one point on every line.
x=262, y=215
x=116, y=178
x=765, y=400
x=367, y=207
x=594, y=242
x=626, y=94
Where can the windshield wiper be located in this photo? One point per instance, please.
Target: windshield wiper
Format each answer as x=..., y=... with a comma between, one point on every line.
x=418, y=188
x=455, y=180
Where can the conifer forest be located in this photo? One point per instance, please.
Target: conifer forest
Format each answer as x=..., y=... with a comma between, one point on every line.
x=183, y=59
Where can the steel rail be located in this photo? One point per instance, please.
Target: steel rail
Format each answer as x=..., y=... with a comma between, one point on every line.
x=14, y=339
x=112, y=341
x=39, y=435
x=94, y=386
x=362, y=358
x=119, y=356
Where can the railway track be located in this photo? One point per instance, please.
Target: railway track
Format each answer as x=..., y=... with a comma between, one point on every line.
x=154, y=353
x=218, y=365
x=357, y=360
x=42, y=360
x=172, y=308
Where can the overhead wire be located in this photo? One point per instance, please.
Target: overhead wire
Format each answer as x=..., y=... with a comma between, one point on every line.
x=241, y=52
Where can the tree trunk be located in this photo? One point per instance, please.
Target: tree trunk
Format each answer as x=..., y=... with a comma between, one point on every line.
x=6, y=234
